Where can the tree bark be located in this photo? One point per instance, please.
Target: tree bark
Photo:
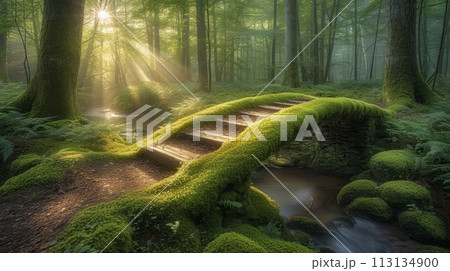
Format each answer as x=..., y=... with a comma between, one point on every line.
x=4, y=77
x=403, y=83
x=440, y=60
x=377, y=29
x=355, y=33
x=185, y=33
x=52, y=91
x=274, y=39
x=291, y=34
x=201, y=47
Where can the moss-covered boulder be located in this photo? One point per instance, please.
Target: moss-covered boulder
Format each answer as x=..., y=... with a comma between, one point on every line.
x=232, y=242
x=301, y=237
x=24, y=163
x=357, y=189
x=393, y=165
x=268, y=244
x=423, y=226
x=431, y=249
x=399, y=194
x=374, y=208
x=305, y=224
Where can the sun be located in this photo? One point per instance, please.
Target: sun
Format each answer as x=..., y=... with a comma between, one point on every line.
x=103, y=15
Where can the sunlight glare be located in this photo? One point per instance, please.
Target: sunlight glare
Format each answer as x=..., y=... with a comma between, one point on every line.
x=103, y=15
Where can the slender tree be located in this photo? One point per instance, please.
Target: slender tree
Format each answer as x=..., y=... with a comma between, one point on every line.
x=355, y=33
x=291, y=34
x=185, y=44
x=52, y=91
x=201, y=46
x=403, y=83
x=4, y=41
x=274, y=39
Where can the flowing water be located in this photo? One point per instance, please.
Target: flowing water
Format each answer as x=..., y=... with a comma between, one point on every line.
x=318, y=192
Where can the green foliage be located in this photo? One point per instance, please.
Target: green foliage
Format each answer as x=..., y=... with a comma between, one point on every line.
x=302, y=238
x=305, y=224
x=400, y=194
x=14, y=126
x=272, y=229
x=24, y=163
x=130, y=99
x=431, y=249
x=231, y=242
x=269, y=244
x=423, y=226
x=226, y=203
x=374, y=208
x=80, y=249
x=393, y=165
x=356, y=189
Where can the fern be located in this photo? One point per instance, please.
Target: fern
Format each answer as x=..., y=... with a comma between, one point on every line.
x=229, y=204
x=272, y=229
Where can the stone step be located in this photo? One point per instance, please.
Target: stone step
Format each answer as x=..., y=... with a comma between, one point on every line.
x=253, y=113
x=213, y=140
x=271, y=108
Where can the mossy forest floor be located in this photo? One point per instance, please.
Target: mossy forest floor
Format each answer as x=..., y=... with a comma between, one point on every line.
x=33, y=218
x=53, y=171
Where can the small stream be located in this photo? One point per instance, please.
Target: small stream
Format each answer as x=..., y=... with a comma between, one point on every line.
x=318, y=192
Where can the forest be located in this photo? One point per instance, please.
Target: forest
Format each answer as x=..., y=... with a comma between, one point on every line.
x=217, y=126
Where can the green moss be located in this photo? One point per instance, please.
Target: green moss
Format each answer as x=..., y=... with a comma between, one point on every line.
x=356, y=189
x=195, y=193
x=402, y=193
x=231, y=242
x=269, y=244
x=393, y=165
x=305, y=224
x=431, y=249
x=302, y=237
x=374, y=208
x=24, y=163
x=423, y=226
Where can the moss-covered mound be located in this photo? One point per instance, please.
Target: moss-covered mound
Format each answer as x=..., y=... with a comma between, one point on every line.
x=301, y=237
x=270, y=245
x=193, y=197
x=402, y=193
x=431, y=249
x=357, y=189
x=305, y=224
x=393, y=165
x=423, y=226
x=232, y=242
x=24, y=163
x=374, y=208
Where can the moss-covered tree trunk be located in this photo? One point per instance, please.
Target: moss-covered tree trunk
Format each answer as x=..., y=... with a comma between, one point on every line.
x=291, y=34
x=4, y=77
x=403, y=83
x=52, y=91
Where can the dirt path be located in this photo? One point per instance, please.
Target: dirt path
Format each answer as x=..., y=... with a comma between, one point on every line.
x=30, y=220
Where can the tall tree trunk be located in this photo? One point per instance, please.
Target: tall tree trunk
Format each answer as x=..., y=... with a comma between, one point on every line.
x=291, y=34
x=441, y=46
x=403, y=83
x=316, y=75
x=274, y=39
x=156, y=26
x=232, y=58
x=52, y=91
x=355, y=33
x=201, y=47
x=3, y=43
x=372, y=63
x=331, y=38
x=216, y=53
x=185, y=33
